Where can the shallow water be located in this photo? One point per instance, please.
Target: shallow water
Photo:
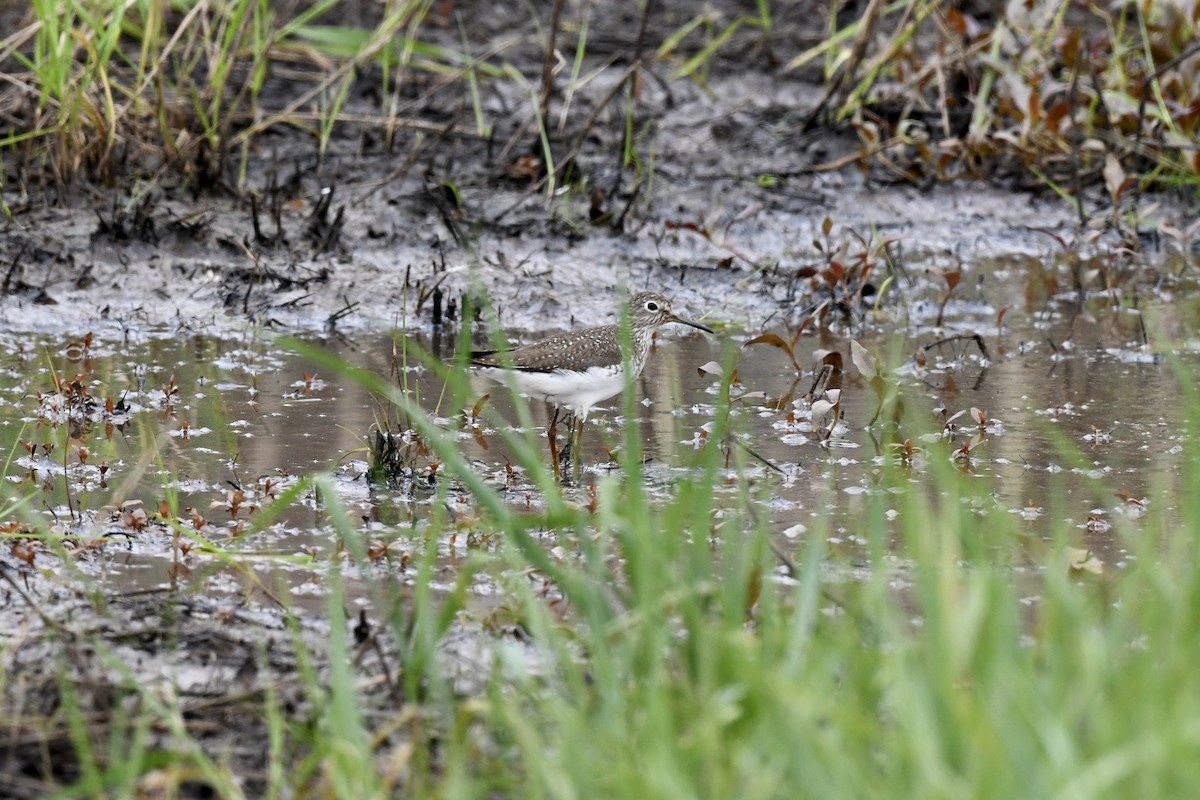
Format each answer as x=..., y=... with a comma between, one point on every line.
x=212, y=416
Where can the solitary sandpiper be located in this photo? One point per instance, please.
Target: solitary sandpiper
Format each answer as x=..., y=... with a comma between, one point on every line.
x=579, y=369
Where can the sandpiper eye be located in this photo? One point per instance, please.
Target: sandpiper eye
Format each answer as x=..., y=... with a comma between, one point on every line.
x=651, y=305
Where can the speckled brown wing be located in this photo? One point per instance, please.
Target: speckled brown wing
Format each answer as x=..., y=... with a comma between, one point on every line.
x=577, y=350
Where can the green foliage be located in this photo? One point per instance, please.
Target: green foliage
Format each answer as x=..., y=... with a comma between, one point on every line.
x=686, y=664
x=669, y=649
x=1051, y=89
x=182, y=82
x=931, y=91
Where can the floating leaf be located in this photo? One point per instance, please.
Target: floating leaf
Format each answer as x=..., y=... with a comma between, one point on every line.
x=866, y=363
x=479, y=440
x=831, y=358
x=1081, y=560
x=774, y=340
x=478, y=407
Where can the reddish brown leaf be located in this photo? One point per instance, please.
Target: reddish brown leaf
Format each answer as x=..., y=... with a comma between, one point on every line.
x=526, y=167
x=687, y=226
x=774, y=341
x=598, y=212
x=955, y=21
x=831, y=358
x=178, y=571
x=1056, y=115
x=1061, y=241
x=478, y=407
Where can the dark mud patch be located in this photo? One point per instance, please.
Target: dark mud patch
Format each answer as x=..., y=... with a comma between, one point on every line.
x=210, y=683
x=369, y=259
x=722, y=205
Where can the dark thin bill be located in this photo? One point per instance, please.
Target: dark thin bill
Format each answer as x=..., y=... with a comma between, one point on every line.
x=689, y=323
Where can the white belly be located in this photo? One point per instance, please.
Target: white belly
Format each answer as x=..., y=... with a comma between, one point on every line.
x=578, y=391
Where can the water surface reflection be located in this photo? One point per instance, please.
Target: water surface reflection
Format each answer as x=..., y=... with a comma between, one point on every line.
x=226, y=422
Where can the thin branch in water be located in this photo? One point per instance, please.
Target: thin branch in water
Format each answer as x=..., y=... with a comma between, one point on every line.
x=959, y=337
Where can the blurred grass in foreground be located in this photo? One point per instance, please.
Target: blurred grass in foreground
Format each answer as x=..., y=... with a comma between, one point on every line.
x=669, y=655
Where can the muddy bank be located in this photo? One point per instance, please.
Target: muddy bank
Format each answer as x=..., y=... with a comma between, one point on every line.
x=190, y=264
x=724, y=218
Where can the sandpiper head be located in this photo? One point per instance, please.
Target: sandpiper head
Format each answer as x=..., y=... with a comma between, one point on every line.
x=650, y=309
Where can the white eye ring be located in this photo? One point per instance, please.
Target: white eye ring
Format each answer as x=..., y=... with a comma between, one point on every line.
x=651, y=305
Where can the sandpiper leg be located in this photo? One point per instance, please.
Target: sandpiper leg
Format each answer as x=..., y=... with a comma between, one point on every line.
x=577, y=450
x=552, y=436
x=569, y=457
x=564, y=455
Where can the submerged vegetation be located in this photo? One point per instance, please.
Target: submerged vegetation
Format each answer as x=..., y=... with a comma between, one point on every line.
x=651, y=632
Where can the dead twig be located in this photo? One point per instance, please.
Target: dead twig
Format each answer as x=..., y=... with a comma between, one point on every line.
x=576, y=149
x=959, y=337
x=549, y=61
x=862, y=38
